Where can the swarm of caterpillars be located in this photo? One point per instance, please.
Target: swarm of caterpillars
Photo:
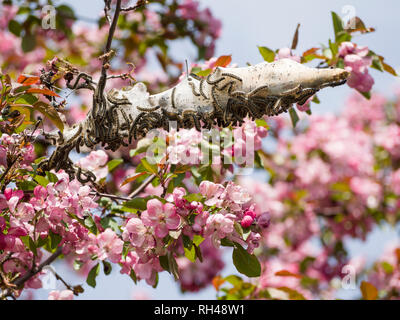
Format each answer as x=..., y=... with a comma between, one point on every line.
x=224, y=98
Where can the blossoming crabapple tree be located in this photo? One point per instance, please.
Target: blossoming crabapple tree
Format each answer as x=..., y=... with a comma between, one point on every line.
x=114, y=207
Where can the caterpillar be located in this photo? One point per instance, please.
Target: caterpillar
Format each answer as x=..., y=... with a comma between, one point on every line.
x=201, y=89
x=194, y=89
x=232, y=76
x=173, y=98
x=148, y=109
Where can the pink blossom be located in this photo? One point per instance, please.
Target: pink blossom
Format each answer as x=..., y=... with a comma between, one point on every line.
x=212, y=192
x=162, y=217
x=189, y=9
x=286, y=53
x=219, y=225
x=357, y=63
x=178, y=195
x=135, y=232
x=361, y=81
x=61, y=295
x=110, y=246
x=95, y=162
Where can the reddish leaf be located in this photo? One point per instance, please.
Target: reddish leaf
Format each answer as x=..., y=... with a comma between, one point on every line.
x=397, y=251
x=286, y=273
x=389, y=69
x=359, y=26
x=369, y=292
x=133, y=178
x=217, y=282
x=27, y=80
x=310, y=51
x=223, y=61
x=42, y=91
x=296, y=37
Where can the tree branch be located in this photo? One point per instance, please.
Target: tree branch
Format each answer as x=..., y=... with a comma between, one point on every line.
x=19, y=282
x=223, y=98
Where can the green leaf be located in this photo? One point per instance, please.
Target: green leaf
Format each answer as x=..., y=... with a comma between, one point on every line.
x=29, y=243
x=173, y=266
x=262, y=123
x=109, y=222
x=366, y=95
x=26, y=99
x=51, y=177
x=28, y=42
x=190, y=253
x=89, y=223
x=93, y=273
x=49, y=112
x=294, y=116
x=245, y=262
x=387, y=267
x=227, y=243
x=133, y=276
x=55, y=239
x=14, y=27
x=195, y=70
x=337, y=24
x=238, y=229
x=41, y=180
x=234, y=280
x=27, y=185
x=113, y=164
x=32, y=246
x=194, y=197
x=198, y=252
x=204, y=73
x=376, y=62
x=267, y=54
x=316, y=100
x=107, y=267
x=136, y=203
x=197, y=239
x=164, y=263
x=156, y=282
x=152, y=168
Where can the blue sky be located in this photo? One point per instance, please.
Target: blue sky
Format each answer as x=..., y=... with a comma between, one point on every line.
x=246, y=25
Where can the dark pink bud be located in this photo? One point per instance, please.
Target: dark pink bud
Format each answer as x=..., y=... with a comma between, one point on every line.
x=247, y=221
x=264, y=220
x=250, y=213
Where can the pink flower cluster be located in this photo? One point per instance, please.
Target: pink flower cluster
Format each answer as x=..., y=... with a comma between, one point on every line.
x=96, y=163
x=190, y=11
x=214, y=219
x=357, y=61
x=12, y=147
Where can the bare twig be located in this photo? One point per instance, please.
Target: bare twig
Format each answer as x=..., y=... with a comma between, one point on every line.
x=19, y=282
x=142, y=186
x=110, y=196
x=103, y=77
x=138, y=5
